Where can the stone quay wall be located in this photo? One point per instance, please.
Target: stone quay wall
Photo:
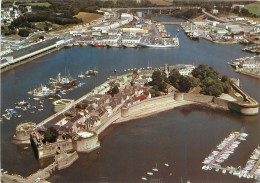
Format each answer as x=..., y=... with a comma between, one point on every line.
x=43, y=173
x=67, y=160
x=245, y=109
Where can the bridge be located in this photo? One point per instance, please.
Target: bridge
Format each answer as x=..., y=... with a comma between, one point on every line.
x=149, y=9
x=171, y=23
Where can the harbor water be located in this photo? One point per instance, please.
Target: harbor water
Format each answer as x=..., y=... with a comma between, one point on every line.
x=181, y=137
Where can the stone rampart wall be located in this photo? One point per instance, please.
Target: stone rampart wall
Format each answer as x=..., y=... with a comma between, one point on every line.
x=149, y=101
x=116, y=115
x=86, y=144
x=52, y=149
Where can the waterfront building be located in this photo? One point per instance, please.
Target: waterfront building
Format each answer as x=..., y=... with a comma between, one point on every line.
x=237, y=5
x=184, y=69
x=249, y=64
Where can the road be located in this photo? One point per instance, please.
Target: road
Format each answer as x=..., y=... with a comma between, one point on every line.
x=219, y=19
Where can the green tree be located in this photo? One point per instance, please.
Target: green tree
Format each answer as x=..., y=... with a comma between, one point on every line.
x=174, y=78
x=216, y=89
x=186, y=83
x=113, y=91
x=23, y=33
x=51, y=135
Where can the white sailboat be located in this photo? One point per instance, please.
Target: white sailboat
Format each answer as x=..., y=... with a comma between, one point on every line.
x=155, y=169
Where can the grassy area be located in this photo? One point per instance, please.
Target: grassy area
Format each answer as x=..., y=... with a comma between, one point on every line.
x=88, y=17
x=240, y=100
x=254, y=8
x=46, y=4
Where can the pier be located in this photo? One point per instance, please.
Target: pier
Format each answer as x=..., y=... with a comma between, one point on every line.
x=224, y=149
x=252, y=172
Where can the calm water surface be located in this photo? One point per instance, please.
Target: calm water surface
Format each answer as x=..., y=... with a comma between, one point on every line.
x=182, y=137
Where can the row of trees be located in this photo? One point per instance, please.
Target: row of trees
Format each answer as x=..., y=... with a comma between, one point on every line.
x=203, y=76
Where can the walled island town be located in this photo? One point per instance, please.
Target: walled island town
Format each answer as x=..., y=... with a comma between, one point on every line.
x=91, y=89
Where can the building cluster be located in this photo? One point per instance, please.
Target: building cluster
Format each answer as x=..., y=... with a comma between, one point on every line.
x=126, y=30
x=9, y=14
x=184, y=69
x=237, y=29
x=30, y=51
x=248, y=62
x=93, y=111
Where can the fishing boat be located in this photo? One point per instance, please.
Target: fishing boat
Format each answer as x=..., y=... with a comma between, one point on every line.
x=21, y=103
x=91, y=72
x=99, y=45
x=81, y=75
x=115, y=45
x=63, y=82
x=130, y=45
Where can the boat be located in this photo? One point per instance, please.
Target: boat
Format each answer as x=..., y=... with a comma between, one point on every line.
x=115, y=45
x=155, y=169
x=163, y=43
x=130, y=45
x=21, y=103
x=62, y=82
x=7, y=116
x=42, y=91
x=144, y=178
x=40, y=109
x=99, y=45
x=91, y=72
x=81, y=75
x=178, y=30
x=149, y=173
x=115, y=71
x=166, y=164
